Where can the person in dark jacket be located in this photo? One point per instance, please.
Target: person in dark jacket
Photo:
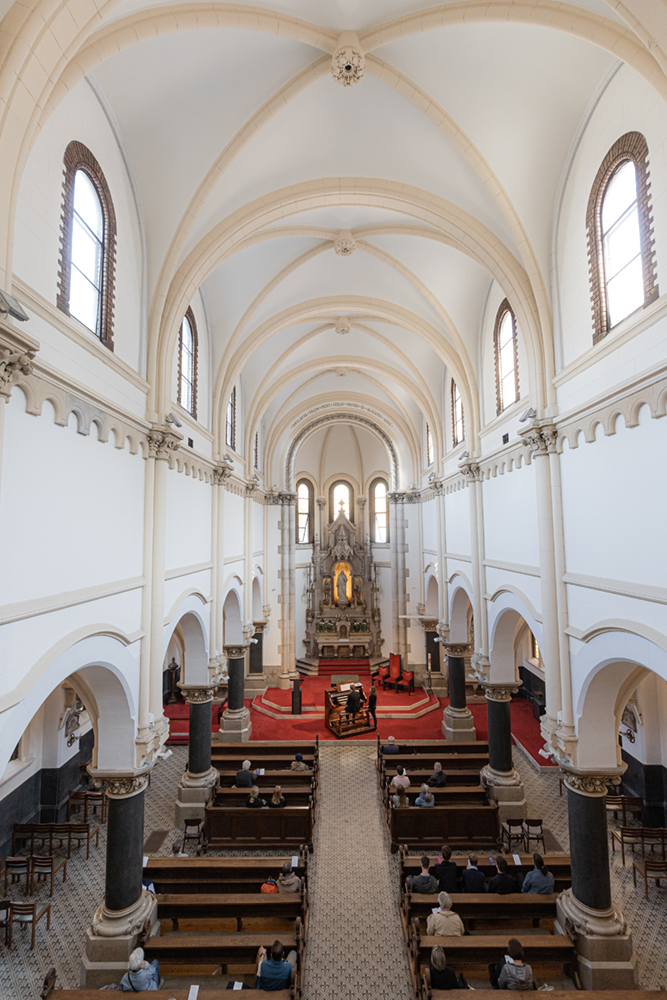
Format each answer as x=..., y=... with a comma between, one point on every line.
x=372, y=704
x=472, y=878
x=442, y=976
x=277, y=800
x=354, y=702
x=502, y=883
x=446, y=871
x=391, y=746
x=438, y=779
x=423, y=882
x=245, y=778
x=253, y=801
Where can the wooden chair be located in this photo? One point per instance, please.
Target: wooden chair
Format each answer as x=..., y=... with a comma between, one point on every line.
x=642, y=836
x=48, y=985
x=4, y=917
x=406, y=682
x=624, y=804
x=194, y=830
x=532, y=830
x=649, y=868
x=394, y=671
x=46, y=866
x=28, y=913
x=15, y=868
x=511, y=829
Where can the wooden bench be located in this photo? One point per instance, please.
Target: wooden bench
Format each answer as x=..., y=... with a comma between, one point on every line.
x=230, y=760
x=432, y=746
x=295, y=795
x=459, y=794
x=219, y=875
x=455, y=778
x=50, y=832
x=270, y=747
x=286, y=779
x=426, y=762
x=481, y=906
x=475, y=827
x=231, y=827
x=557, y=864
x=218, y=949
x=430, y=994
x=210, y=906
x=181, y=994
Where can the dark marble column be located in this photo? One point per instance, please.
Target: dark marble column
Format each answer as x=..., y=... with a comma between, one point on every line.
x=457, y=723
x=589, y=849
x=256, y=651
x=125, y=843
x=499, y=777
x=236, y=725
x=457, y=675
x=194, y=788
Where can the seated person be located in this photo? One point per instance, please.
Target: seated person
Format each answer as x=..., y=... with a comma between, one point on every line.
x=287, y=880
x=253, y=801
x=298, y=764
x=390, y=746
x=400, y=799
x=277, y=800
x=245, y=778
x=141, y=975
x=472, y=878
x=425, y=798
x=503, y=883
x=438, y=779
x=354, y=701
x=443, y=922
x=511, y=973
x=446, y=871
x=425, y=881
x=273, y=971
x=442, y=976
x=176, y=850
x=539, y=879
x=400, y=778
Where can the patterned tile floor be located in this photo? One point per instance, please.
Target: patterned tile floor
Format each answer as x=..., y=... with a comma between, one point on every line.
x=355, y=942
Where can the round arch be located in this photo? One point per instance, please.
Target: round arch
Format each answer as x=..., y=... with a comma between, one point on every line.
x=343, y=417
x=507, y=611
x=232, y=616
x=460, y=603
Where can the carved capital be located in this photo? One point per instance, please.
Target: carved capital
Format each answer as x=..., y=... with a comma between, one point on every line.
x=248, y=631
x=221, y=473
x=321, y=502
x=458, y=649
x=236, y=652
x=347, y=63
x=443, y=630
x=471, y=472
x=14, y=362
x=250, y=489
x=361, y=502
x=541, y=437
x=499, y=692
x=198, y=695
x=589, y=783
x=163, y=442
x=396, y=497
x=429, y=624
x=119, y=786
x=260, y=627
x=288, y=499
x=266, y=611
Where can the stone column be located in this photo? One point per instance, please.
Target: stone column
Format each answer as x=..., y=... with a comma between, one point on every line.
x=236, y=725
x=362, y=528
x=499, y=776
x=287, y=588
x=256, y=679
x=118, y=921
x=457, y=720
x=194, y=788
x=473, y=476
x=603, y=940
x=221, y=473
x=321, y=504
x=443, y=602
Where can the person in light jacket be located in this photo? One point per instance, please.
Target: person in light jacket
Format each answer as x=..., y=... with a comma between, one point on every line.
x=443, y=922
x=287, y=880
x=141, y=975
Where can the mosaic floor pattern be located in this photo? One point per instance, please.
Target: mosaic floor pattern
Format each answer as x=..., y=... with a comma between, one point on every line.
x=355, y=942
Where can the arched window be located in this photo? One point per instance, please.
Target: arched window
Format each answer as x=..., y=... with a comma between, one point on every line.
x=341, y=492
x=255, y=451
x=379, y=511
x=230, y=432
x=87, y=244
x=620, y=235
x=457, y=415
x=187, y=364
x=429, y=446
x=507, y=358
x=304, y=512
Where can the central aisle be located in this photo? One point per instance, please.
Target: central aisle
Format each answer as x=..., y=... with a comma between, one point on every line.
x=355, y=947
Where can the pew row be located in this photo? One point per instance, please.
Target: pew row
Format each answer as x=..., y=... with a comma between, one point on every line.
x=455, y=779
x=181, y=994
x=475, y=827
x=269, y=780
x=214, y=906
x=295, y=795
x=472, y=906
x=220, y=875
x=233, y=760
x=255, y=829
x=175, y=949
x=443, y=747
x=457, y=795
x=426, y=762
x=268, y=748
x=427, y=993
x=558, y=865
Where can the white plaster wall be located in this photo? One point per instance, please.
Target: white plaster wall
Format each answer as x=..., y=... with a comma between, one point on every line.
x=430, y=527
x=188, y=521
x=272, y=635
x=457, y=520
x=233, y=526
x=510, y=517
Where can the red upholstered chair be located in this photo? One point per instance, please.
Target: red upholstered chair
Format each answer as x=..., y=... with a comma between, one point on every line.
x=394, y=671
x=406, y=682
x=382, y=675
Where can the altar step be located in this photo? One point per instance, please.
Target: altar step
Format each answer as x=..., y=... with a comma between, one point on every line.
x=277, y=703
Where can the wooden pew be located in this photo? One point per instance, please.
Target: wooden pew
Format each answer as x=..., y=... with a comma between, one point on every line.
x=182, y=994
x=214, y=906
x=255, y=829
x=480, y=906
x=475, y=827
x=430, y=994
x=219, y=949
x=457, y=795
x=232, y=760
x=432, y=746
x=426, y=761
x=253, y=749
x=287, y=779
x=219, y=875
x=557, y=864
x=456, y=777
x=297, y=795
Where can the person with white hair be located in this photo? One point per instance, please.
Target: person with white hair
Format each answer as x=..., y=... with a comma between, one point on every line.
x=438, y=779
x=245, y=778
x=443, y=922
x=425, y=797
x=141, y=975
x=390, y=746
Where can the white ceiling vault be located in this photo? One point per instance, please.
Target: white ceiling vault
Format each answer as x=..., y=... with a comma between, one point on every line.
x=443, y=161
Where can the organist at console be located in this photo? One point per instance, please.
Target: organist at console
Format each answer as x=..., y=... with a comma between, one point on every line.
x=337, y=717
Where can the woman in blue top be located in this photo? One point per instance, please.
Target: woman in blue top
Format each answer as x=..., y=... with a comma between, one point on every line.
x=141, y=975
x=425, y=797
x=539, y=880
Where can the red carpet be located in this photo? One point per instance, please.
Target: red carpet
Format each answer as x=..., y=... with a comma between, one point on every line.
x=179, y=721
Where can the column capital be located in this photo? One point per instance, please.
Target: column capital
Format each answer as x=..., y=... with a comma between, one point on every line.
x=221, y=473
x=321, y=502
x=260, y=627
x=592, y=784
x=429, y=624
x=236, y=652
x=17, y=353
x=250, y=488
x=456, y=648
x=499, y=692
x=396, y=497
x=288, y=499
x=196, y=694
x=443, y=630
x=163, y=441
x=361, y=502
x=470, y=471
x=120, y=786
x=541, y=436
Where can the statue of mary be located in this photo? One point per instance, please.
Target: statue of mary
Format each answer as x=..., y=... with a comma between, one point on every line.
x=341, y=589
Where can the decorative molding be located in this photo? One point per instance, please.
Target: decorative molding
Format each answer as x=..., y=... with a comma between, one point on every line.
x=581, y=919
x=120, y=786
x=207, y=779
x=470, y=471
x=17, y=353
x=163, y=442
x=456, y=649
x=344, y=244
x=593, y=784
x=491, y=778
x=58, y=602
x=235, y=652
x=175, y=574
x=499, y=692
x=348, y=65
x=260, y=627
x=124, y=923
x=541, y=436
x=509, y=567
x=196, y=695
x=637, y=591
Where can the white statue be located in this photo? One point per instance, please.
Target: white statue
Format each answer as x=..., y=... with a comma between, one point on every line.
x=341, y=589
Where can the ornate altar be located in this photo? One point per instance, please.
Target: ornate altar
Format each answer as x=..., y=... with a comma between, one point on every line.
x=343, y=619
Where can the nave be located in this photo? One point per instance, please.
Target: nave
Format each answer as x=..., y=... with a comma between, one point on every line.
x=355, y=944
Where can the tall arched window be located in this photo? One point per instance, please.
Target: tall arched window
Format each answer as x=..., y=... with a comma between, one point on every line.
x=507, y=358
x=379, y=511
x=187, y=363
x=304, y=512
x=457, y=415
x=620, y=235
x=429, y=446
x=87, y=244
x=230, y=432
x=341, y=492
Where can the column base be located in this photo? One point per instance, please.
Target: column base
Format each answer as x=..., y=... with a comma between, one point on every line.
x=236, y=726
x=110, y=939
x=256, y=684
x=458, y=725
x=193, y=795
x=605, y=957
x=507, y=791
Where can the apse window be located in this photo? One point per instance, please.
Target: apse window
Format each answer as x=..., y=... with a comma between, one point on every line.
x=507, y=365
x=85, y=290
x=621, y=245
x=429, y=446
x=341, y=495
x=379, y=498
x=304, y=505
x=457, y=415
x=230, y=432
x=187, y=364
